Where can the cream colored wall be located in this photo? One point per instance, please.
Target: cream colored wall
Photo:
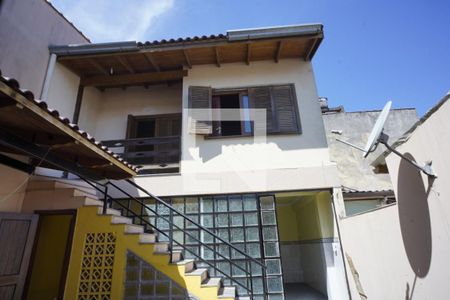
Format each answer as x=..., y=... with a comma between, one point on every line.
x=63, y=91
x=13, y=184
x=408, y=243
x=116, y=104
x=90, y=108
x=236, y=154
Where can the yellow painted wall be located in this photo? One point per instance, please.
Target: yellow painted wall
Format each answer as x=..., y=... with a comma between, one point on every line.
x=308, y=219
x=89, y=222
x=49, y=260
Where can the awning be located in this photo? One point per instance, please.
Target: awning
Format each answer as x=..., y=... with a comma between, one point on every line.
x=30, y=129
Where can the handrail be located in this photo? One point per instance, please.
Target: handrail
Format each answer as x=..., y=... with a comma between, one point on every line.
x=187, y=218
x=142, y=141
x=249, y=259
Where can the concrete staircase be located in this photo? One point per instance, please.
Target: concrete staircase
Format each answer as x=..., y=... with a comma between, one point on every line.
x=46, y=194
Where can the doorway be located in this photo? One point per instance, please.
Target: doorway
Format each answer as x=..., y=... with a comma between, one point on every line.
x=51, y=253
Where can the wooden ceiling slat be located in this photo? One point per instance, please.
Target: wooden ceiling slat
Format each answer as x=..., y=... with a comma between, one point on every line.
x=130, y=79
x=152, y=61
x=123, y=61
x=186, y=57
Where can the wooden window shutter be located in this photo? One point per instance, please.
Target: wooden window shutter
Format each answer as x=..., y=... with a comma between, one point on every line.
x=285, y=106
x=200, y=97
x=260, y=98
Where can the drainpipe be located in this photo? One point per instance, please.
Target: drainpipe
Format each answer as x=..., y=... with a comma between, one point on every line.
x=48, y=76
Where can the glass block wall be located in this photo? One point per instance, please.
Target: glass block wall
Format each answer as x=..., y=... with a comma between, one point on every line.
x=144, y=282
x=247, y=221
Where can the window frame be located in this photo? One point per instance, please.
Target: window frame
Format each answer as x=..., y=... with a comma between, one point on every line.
x=246, y=91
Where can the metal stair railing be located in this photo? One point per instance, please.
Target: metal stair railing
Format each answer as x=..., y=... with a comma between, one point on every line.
x=109, y=200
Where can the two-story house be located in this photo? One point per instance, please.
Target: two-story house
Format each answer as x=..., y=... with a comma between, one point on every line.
x=234, y=175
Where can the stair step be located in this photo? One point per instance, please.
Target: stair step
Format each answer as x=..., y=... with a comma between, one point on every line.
x=203, y=273
x=161, y=248
x=52, y=185
x=109, y=211
x=213, y=282
x=189, y=264
x=89, y=201
x=131, y=228
x=120, y=220
x=227, y=292
x=147, y=238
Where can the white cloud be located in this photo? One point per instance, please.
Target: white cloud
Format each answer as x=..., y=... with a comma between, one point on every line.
x=114, y=20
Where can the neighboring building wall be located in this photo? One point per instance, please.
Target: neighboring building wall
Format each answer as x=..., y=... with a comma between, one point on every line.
x=355, y=172
x=308, y=149
x=408, y=243
x=27, y=28
x=13, y=184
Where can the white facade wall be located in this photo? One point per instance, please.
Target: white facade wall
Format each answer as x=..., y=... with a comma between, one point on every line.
x=401, y=251
x=308, y=149
x=63, y=90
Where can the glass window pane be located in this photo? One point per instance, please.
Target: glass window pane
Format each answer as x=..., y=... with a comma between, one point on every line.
x=162, y=224
x=268, y=218
x=222, y=220
x=178, y=221
x=247, y=122
x=207, y=253
x=207, y=220
x=251, y=219
x=178, y=236
x=207, y=238
x=221, y=204
x=274, y=284
x=224, y=267
x=258, y=285
x=206, y=204
x=273, y=266
x=271, y=249
x=162, y=209
x=190, y=224
x=237, y=235
x=235, y=203
x=191, y=205
x=235, y=254
x=178, y=204
x=192, y=237
x=222, y=252
x=238, y=268
x=270, y=233
x=191, y=252
x=249, y=202
x=236, y=219
x=253, y=250
x=252, y=234
x=267, y=202
x=223, y=233
x=255, y=269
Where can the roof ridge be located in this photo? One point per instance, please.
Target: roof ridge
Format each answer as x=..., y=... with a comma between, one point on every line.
x=67, y=20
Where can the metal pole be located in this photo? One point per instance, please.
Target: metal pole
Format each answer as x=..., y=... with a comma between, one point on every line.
x=171, y=234
x=105, y=200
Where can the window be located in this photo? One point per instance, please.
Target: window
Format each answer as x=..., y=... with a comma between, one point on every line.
x=232, y=101
x=279, y=101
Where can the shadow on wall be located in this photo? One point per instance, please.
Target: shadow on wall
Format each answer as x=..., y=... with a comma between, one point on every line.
x=414, y=217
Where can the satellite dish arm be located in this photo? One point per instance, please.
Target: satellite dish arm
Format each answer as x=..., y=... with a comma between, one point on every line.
x=383, y=139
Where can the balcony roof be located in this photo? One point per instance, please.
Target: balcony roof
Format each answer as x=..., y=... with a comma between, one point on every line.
x=140, y=63
x=32, y=130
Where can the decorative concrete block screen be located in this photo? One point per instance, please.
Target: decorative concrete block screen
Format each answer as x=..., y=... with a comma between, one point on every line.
x=97, y=266
x=144, y=282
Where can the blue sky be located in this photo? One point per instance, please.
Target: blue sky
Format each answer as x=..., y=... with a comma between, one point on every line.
x=373, y=51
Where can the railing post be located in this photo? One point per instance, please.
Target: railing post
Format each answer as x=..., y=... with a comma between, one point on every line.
x=105, y=199
x=170, y=233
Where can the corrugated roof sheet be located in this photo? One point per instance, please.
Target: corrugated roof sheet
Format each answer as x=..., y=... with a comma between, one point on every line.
x=14, y=84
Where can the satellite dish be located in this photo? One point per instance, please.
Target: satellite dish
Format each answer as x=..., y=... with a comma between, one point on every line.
x=377, y=136
x=373, y=140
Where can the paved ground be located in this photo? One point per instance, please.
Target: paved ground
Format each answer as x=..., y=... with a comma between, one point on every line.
x=294, y=291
